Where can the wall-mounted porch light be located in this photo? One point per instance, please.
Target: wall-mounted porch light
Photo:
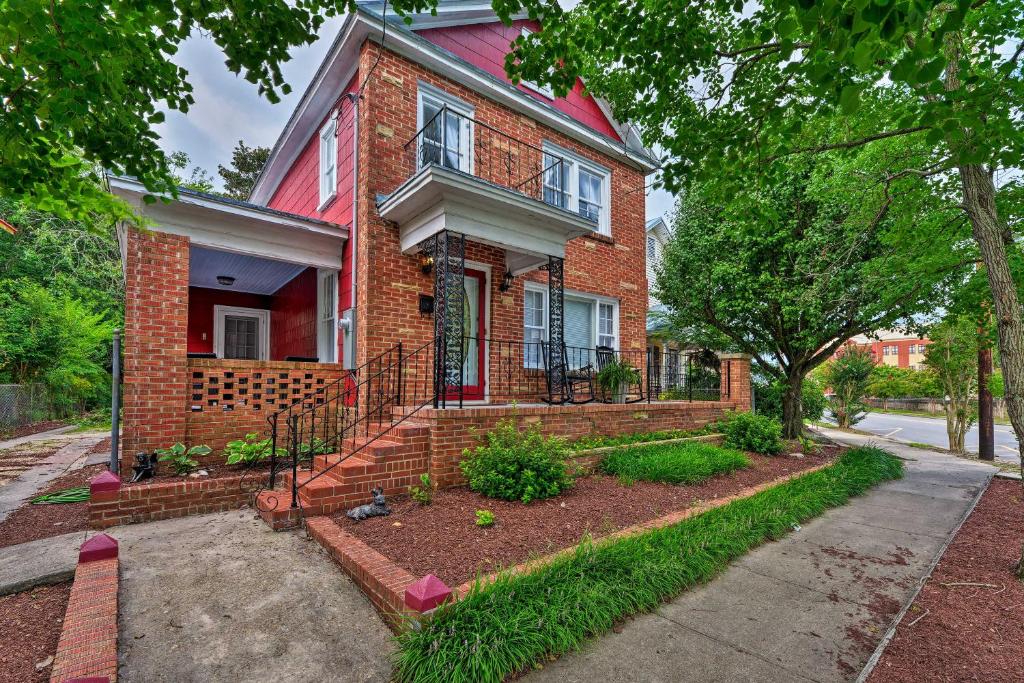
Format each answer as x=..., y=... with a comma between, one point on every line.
x=506, y=282
x=426, y=263
x=225, y=280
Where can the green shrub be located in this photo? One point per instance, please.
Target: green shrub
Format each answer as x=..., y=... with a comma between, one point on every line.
x=768, y=398
x=517, y=465
x=250, y=450
x=423, y=494
x=685, y=463
x=749, y=432
x=484, y=518
x=520, y=619
x=182, y=459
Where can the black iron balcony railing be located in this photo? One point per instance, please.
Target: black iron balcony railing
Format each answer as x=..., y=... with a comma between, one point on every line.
x=453, y=140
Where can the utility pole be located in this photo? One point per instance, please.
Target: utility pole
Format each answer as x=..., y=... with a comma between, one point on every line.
x=986, y=428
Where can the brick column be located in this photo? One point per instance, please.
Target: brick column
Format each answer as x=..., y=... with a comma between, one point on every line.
x=155, y=346
x=735, y=379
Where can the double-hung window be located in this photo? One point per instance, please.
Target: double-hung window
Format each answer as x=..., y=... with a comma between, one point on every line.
x=544, y=90
x=446, y=130
x=588, y=321
x=579, y=185
x=328, y=161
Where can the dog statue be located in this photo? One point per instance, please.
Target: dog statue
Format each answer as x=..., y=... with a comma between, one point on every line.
x=378, y=508
x=145, y=467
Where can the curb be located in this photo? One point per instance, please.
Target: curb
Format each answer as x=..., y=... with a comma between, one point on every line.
x=898, y=619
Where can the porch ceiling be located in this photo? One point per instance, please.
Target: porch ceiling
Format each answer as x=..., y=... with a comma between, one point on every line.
x=252, y=274
x=437, y=199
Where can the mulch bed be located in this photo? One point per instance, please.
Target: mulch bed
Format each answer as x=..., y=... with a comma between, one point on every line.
x=443, y=539
x=968, y=632
x=101, y=447
x=165, y=474
x=34, y=428
x=33, y=522
x=31, y=623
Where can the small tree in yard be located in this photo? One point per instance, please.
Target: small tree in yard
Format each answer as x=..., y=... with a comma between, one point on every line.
x=953, y=355
x=848, y=376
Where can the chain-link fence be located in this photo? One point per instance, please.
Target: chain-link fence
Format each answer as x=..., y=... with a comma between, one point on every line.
x=22, y=404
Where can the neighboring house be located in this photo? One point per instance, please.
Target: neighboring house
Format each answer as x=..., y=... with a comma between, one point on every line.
x=424, y=236
x=657, y=238
x=892, y=348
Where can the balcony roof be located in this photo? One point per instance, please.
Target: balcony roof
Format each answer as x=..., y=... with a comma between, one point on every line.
x=438, y=198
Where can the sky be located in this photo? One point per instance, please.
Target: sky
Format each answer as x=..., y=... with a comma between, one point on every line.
x=227, y=108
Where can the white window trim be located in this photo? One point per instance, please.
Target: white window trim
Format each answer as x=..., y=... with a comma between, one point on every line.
x=263, y=338
x=332, y=343
x=544, y=90
x=328, y=135
x=575, y=162
x=595, y=299
x=425, y=91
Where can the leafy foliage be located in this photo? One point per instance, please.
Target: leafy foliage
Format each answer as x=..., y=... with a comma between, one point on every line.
x=195, y=179
x=888, y=382
x=848, y=376
x=484, y=518
x=55, y=340
x=424, y=493
x=246, y=165
x=517, y=465
x=249, y=450
x=617, y=375
x=519, y=619
x=768, y=398
x=748, y=431
x=182, y=459
x=690, y=463
x=953, y=357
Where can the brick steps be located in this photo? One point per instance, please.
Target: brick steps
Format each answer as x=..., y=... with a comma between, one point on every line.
x=338, y=481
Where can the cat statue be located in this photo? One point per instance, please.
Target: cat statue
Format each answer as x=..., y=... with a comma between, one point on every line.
x=377, y=508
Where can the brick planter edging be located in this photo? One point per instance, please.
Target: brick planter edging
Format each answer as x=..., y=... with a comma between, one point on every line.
x=121, y=504
x=384, y=582
x=88, y=640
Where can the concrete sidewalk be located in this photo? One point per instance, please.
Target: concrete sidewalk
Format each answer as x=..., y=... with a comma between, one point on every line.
x=71, y=456
x=810, y=607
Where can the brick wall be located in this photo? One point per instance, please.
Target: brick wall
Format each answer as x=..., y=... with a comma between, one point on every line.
x=154, y=500
x=612, y=267
x=156, y=341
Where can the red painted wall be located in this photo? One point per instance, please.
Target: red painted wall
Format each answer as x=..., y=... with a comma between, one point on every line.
x=485, y=46
x=293, y=317
x=200, y=313
x=299, y=190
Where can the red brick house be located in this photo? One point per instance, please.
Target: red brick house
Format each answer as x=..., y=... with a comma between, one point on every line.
x=427, y=243
x=892, y=348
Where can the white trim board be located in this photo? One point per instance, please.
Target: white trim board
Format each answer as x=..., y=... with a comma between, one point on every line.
x=263, y=336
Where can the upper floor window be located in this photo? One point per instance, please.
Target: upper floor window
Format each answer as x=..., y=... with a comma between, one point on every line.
x=446, y=130
x=328, y=161
x=577, y=184
x=544, y=90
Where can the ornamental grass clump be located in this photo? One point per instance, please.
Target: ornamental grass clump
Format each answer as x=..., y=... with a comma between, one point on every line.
x=507, y=625
x=751, y=432
x=685, y=463
x=513, y=464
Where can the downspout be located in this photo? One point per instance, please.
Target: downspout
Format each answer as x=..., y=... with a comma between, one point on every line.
x=353, y=232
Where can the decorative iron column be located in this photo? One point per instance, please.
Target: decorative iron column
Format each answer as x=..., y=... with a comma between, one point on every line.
x=556, y=327
x=449, y=251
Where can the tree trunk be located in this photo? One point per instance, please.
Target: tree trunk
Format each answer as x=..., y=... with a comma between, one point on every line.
x=986, y=426
x=792, y=408
x=980, y=204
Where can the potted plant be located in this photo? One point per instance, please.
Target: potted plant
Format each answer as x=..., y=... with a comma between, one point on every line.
x=615, y=378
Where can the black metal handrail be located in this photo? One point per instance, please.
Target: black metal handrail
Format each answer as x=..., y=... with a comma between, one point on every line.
x=453, y=140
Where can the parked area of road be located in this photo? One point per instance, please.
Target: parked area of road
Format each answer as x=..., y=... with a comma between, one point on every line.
x=932, y=431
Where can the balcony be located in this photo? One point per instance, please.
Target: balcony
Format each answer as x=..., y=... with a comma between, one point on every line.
x=471, y=178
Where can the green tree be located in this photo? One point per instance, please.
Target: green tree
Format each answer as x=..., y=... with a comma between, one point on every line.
x=888, y=382
x=195, y=178
x=55, y=340
x=727, y=88
x=848, y=376
x=953, y=356
x=246, y=165
x=789, y=272
x=82, y=84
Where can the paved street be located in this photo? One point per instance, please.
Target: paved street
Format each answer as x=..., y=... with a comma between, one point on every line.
x=933, y=431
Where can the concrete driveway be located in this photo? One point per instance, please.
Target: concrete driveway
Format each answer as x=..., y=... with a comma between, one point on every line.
x=222, y=598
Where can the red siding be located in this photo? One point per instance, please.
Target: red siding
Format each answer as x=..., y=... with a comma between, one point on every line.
x=485, y=46
x=200, y=313
x=293, y=317
x=299, y=190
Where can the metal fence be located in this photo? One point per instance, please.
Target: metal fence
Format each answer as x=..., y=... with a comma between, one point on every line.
x=22, y=404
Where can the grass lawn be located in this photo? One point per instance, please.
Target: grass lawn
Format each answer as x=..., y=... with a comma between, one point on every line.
x=510, y=624
x=679, y=463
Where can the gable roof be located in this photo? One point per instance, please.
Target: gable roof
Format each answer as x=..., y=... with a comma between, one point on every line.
x=658, y=226
x=339, y=66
